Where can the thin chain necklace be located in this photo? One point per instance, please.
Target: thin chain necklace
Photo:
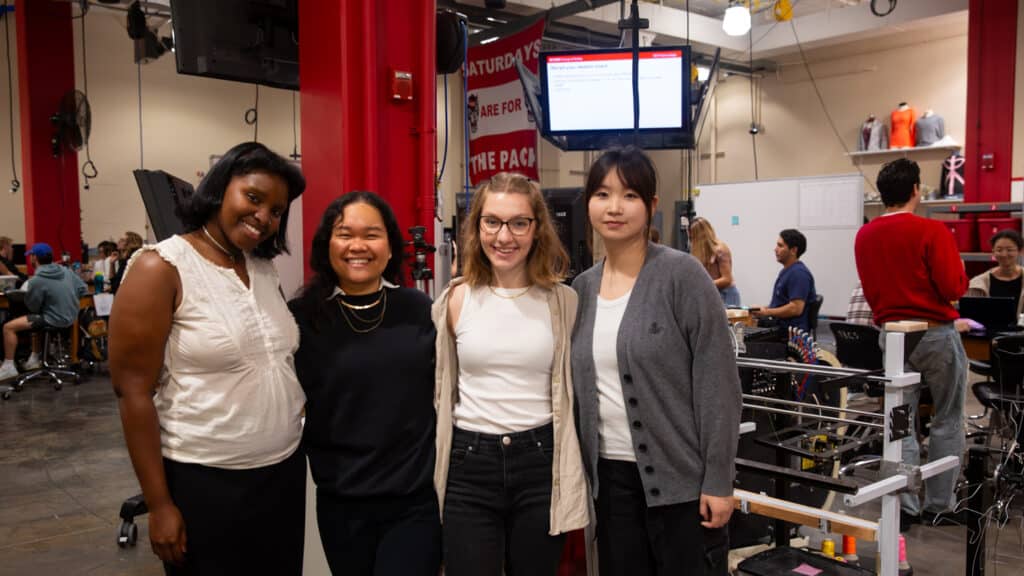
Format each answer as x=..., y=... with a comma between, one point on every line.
x=375, y=321
x=230, y=256
x=506, y=297
x=363, y=306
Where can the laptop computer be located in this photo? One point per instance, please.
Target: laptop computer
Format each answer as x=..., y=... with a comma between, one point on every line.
x=995, y=314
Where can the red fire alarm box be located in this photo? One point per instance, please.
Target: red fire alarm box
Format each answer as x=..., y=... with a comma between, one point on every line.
x=401, y=85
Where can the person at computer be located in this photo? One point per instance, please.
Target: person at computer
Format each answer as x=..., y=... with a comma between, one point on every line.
x=794, y=287
x=7, y=266
x=51, y=296
x=1005, y=280
x=716, y=258
x=910, y=269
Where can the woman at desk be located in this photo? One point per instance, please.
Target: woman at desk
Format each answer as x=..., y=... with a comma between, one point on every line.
x=716, y=258
x=201, y=360
x=1005, y=280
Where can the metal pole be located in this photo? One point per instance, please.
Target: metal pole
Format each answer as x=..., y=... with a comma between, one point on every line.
x=813, y=416
x=811, y=406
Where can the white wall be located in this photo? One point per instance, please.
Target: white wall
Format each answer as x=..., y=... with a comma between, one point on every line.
x=186, y=119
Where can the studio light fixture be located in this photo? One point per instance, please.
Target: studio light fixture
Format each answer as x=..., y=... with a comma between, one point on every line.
x=737, y=19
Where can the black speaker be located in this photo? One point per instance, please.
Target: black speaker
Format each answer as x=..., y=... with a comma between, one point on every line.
x=451, y=42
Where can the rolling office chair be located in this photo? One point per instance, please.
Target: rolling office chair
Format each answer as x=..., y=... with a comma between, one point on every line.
x=857, y=347
x=55, y=362
x=812, y=314
x=1003, y=392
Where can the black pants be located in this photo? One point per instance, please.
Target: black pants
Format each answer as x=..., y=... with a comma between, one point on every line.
x=240, y=521
x=634, y=539
x=399, y=536
x=497, y=506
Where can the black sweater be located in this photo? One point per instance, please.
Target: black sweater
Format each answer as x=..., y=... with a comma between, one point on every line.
x=369, y=396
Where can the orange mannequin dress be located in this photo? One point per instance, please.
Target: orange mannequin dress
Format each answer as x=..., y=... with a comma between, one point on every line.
x=902, y=132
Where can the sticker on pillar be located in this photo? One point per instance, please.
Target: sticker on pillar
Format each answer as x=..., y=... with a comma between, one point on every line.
x=735, y=220
x=401, y=85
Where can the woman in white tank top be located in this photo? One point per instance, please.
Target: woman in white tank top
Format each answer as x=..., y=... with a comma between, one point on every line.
x=508, y=473
x=201, y=348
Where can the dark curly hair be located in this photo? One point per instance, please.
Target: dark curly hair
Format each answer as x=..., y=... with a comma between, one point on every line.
x=313, y=298
x=245, y=158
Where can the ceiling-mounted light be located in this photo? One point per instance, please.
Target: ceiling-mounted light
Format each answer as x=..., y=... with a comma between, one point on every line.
x=737, y=19
x=488, y=40
x=703, y=73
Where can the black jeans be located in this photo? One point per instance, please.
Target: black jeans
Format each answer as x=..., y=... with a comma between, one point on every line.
x=636, y=540
x=399, y=536
x=497, y=505
x=240, y=521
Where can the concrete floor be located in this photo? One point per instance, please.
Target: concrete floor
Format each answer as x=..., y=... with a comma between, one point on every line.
x=64, y=472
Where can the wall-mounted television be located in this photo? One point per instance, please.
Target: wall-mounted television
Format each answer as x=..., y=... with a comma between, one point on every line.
x=254, y=41
x=587, y=97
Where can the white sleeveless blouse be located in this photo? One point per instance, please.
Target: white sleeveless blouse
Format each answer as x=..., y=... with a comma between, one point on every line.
x=227, y=395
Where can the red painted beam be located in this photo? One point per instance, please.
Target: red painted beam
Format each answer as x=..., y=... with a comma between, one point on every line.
x=991, y=53
x=355, y=134
x=46, y=71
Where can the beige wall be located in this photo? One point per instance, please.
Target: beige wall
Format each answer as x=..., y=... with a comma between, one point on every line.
x=12, y=215
x=1018, y=104
x=186, y=119
x=797, y=139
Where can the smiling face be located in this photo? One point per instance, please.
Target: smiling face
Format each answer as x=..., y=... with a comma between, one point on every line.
x=616, y=212
x=359, y=250
x=509, y=246
x=1006, y=253
x=252, y=209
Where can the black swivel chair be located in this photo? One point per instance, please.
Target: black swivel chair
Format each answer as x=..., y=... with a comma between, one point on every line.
x=1003, y=393
x=812, y=314
x=54, y=362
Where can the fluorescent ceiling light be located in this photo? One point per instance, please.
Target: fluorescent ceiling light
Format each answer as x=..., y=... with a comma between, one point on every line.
x=737, y=20
x=496, y=20
x=702, y=73
x=488, y=40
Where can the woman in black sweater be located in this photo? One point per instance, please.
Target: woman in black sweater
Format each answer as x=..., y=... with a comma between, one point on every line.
x=366, y=363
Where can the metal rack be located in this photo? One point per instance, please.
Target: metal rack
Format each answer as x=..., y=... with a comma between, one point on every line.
x=894, y=425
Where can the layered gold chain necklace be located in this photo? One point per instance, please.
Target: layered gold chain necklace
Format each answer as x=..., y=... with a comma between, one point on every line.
x=369, y=324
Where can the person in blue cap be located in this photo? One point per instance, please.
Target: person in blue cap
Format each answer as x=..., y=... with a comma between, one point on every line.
x=51, y=296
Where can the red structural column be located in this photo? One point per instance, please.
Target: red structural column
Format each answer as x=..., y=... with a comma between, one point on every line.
x=991, y=53
x=355, y=134
x=46, y=71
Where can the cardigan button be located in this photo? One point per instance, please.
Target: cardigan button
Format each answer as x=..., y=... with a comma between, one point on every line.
x=637, y=424
x=632, y=401
x=649, y=469
x=655, y=492
x=628, y=379
x=642, y=447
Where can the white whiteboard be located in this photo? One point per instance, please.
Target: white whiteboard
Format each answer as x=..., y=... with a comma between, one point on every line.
x=748, y=216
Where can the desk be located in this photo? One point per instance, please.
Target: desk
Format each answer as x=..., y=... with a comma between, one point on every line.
x=977, y=347
x=84, y=303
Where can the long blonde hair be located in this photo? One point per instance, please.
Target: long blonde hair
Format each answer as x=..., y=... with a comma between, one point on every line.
x=547, y=262
x=703, y=240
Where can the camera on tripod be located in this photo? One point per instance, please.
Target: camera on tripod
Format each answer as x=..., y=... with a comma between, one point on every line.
x=421, y=273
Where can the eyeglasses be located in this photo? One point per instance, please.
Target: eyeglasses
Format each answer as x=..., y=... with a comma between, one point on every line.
x=518, y=226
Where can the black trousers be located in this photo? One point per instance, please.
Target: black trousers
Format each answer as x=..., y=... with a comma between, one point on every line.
x=380, y=536
x=240, y=521
x=498, y=504
x=634, y=539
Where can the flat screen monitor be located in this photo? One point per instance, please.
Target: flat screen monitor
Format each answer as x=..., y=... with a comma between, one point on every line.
x=254, y=41
x=591, y=91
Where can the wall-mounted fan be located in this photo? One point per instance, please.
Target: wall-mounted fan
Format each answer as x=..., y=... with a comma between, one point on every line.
x=71, y=123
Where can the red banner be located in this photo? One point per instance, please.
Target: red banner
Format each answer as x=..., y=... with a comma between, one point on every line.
x=502, y=132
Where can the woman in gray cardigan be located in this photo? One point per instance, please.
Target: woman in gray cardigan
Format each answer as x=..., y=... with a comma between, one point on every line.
x=657, y=388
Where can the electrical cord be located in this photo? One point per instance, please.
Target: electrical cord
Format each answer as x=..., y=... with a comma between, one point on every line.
x=138, y=67
x=252, y=117
x=89, y=170
x=15, y=183
x=824, y=108
x=295, y=136
x=879, y=13
x=465, y=109
x=753, y=122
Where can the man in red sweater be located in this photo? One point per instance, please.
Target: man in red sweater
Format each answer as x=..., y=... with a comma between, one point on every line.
x=910, y=269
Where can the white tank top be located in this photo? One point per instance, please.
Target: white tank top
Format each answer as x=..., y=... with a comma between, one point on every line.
x=227, y=394
x=506, y=347
x=615, y=442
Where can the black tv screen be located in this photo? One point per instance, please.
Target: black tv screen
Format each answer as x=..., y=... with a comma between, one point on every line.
x=254, y=41
x=591, y=91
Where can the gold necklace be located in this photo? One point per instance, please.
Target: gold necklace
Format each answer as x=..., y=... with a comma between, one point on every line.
x=375, y=321
x=513, y=297
x=363, y=306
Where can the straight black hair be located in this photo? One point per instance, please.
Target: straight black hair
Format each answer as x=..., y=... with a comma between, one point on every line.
x=313, y=298
x=794, y=239
x=633, y=166
x=245, y=158
x=1011, y=235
